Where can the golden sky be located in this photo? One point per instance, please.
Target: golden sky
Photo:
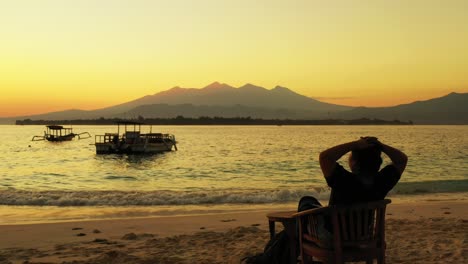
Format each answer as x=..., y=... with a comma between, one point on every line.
x=88, y=54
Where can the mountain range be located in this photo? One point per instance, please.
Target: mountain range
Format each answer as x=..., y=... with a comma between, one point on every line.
x=222, y=100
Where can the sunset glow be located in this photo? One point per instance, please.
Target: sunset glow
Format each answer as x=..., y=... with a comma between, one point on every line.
x=63, y=54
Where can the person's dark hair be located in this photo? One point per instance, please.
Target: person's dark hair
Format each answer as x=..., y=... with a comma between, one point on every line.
x=368, y=159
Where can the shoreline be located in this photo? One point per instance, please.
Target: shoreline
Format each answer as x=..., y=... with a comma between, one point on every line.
x=425, y=231
x=25, y=214
x=220, y=121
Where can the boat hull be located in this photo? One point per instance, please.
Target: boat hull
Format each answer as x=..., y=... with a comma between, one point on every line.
x=111, y=148
x=59, y=138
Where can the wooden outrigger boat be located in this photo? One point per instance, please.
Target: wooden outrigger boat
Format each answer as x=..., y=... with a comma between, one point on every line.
x=132, y=141
x=59, y=133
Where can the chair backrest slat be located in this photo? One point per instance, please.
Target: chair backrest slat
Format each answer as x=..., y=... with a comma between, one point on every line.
x=359, y=225
x=365, y=223
x=351, y=225
x=344, y=229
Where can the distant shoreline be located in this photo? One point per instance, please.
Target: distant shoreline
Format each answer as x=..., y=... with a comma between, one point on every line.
x=216, y=121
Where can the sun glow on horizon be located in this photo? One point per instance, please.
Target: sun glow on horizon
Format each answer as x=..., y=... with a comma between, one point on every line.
x=59, y=55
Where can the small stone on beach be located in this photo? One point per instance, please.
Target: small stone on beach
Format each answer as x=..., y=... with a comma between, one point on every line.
x=58, y=247
x=228, y=220
x=130, y=236
x=101, y=240
x=81, y=234
x=77, y=228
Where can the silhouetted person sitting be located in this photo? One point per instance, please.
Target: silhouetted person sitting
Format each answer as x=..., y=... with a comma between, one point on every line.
x=365, y=182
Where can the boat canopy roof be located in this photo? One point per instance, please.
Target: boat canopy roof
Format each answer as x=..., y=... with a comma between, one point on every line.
x=55, y=127
x=129, y=123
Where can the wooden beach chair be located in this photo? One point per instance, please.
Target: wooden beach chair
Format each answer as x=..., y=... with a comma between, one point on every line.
x=357, y=233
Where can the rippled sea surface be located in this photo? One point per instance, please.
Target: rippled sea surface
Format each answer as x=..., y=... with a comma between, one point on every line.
x=216, y=165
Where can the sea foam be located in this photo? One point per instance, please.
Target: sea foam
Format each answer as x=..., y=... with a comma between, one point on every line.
x=140, y=198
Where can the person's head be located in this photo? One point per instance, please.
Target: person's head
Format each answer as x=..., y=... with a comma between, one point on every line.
x=366, y=160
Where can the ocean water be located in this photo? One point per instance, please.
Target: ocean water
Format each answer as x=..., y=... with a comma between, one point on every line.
x=214, y=166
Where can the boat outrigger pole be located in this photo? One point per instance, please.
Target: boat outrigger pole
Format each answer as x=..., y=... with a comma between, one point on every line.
x=83, y=135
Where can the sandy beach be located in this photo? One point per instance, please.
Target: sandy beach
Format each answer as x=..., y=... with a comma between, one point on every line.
x=423, y=232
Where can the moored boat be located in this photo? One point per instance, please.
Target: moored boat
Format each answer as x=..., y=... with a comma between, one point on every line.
x=57, y=133
x=131, y=140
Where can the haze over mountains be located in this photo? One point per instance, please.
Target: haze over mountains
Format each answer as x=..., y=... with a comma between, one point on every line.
x=222, y=100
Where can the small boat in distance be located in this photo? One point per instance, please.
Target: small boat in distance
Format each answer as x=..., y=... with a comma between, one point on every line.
x=59, y=133
x=132, y=141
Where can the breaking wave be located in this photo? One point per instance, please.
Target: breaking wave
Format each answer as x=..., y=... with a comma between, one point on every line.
x=202, y=197
x=141, y=198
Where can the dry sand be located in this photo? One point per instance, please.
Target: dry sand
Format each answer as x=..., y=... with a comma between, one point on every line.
x=426, y=232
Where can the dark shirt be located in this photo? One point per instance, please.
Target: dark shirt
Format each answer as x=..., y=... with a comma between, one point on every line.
x=348, y=189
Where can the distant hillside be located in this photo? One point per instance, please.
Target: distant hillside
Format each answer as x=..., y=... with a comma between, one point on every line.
x=449, y=109
x=222, y=100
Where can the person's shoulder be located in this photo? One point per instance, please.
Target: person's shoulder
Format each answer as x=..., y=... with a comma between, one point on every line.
x=338, y=175
x=339, y=170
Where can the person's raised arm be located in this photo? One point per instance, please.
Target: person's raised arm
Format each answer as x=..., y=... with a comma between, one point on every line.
x=329, y=157
x=399, y=159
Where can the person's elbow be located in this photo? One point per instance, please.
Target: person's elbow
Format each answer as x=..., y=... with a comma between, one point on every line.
x=326, y=164
x=402, y=162
x=405, y=159
x=323, y=158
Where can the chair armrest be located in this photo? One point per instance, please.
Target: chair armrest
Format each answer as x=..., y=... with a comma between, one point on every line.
x=314, y=211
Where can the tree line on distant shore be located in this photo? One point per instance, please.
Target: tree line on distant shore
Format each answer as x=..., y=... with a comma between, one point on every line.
x=205, y=120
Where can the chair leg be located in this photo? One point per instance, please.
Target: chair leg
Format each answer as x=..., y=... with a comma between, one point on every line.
x=307, y=259
x=381, y=259
x=271, y=225
x=339, y=259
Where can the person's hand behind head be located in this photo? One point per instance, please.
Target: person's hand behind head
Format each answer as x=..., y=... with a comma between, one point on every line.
x=373, y=141
x=367, y=142
x=362, y=143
